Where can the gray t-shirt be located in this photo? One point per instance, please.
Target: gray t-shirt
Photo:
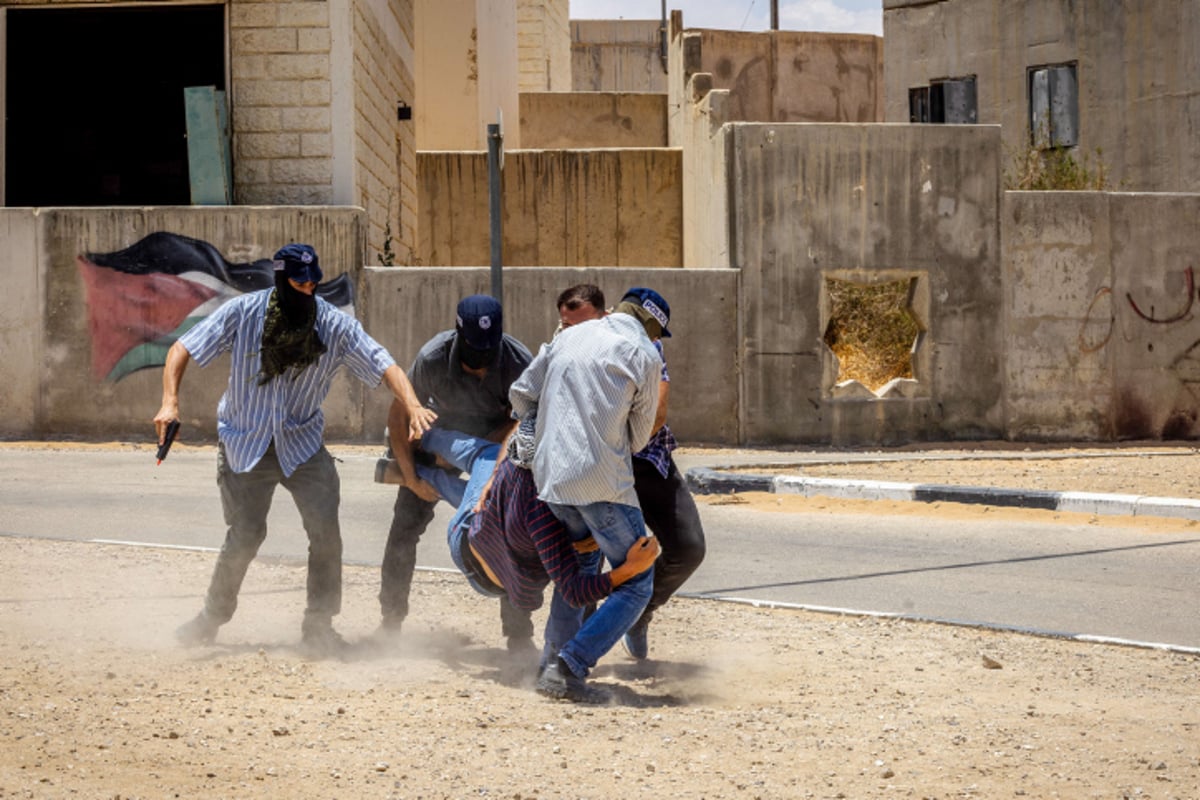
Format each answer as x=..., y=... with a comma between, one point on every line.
x=462, y=401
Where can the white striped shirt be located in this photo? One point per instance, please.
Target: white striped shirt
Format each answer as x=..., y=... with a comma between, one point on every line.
x=288, y=409
x=595, y=391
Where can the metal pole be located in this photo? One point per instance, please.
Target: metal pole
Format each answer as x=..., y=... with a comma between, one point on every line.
x=774, y=15
x=495, y=147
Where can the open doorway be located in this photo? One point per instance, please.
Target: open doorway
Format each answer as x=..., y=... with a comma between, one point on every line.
x=94, y=101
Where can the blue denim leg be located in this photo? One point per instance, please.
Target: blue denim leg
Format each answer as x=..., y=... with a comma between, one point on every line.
x=450, y=487
x=461, y=450
x=476, y=456
x=615, y=527
x=564, y=621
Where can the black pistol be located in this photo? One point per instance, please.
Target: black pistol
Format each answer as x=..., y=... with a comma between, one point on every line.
x=165, y=447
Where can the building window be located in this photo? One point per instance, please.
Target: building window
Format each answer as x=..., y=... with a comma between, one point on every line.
x=1053, y=106
x=951, y=101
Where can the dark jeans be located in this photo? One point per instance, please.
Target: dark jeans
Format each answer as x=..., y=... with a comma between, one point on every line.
x=672, y=516
x=246, y=499
x=410, y=517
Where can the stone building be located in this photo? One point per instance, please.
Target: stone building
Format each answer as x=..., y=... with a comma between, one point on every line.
x=314, y=93
x=1116, y=78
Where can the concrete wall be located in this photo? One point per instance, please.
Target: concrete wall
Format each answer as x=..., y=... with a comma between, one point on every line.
x=701, y=125
x=867, y=203
x=543, y=46
x=466, y=70
x=404, y=307
x=781, y=76
x=616, y=56
x=1138, y=69
x=561, y=208
x=23, y=275
x=66, y=399
x=579, y=120
x=49, y=389
x=1101, y=336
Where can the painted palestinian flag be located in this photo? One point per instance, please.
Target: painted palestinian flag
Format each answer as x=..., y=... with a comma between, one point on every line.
x=141, y=299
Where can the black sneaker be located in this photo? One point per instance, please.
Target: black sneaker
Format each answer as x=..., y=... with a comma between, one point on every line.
x=201, y=630
x=556, y=680
x=322, y=641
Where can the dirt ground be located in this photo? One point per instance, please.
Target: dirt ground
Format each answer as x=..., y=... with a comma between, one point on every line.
x=737, y=702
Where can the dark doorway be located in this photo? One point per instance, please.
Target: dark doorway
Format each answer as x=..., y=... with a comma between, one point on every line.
x=95, y=111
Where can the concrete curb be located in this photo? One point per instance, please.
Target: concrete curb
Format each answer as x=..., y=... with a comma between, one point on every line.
x=713, y=480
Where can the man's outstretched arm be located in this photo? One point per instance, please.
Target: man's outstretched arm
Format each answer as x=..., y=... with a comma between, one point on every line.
x=177, y=361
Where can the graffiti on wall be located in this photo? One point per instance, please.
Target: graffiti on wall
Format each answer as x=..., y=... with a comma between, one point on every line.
x=141, y=299
x=1133, y=415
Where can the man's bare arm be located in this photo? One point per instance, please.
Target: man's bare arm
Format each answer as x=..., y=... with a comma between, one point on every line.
x=660, y=415
x=177, y=361
x=401, y=442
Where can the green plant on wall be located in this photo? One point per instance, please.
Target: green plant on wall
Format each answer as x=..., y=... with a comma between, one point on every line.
x=1039, y=168
x=388, y=257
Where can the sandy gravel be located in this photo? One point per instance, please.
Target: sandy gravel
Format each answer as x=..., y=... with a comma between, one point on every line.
x=98, y=702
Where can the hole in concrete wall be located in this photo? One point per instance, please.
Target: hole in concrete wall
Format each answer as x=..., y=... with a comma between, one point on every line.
x=872, y=330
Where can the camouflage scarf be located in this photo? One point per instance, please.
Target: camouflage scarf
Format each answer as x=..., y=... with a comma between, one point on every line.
x=289, y=332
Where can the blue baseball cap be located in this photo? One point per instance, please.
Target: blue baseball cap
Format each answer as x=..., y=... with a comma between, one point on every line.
x=480, y=322
x=653, y=302
x=299, y=262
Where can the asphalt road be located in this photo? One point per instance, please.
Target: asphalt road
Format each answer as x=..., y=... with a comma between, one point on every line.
x=1049, y=577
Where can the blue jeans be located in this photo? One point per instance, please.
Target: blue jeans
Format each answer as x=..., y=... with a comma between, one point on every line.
x=472, y=455
x=615, y=527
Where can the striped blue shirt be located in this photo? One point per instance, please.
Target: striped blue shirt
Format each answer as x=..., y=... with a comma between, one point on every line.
x=288, y=409
x=594, y=389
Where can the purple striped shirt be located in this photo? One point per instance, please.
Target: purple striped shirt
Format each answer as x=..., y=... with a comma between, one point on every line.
x=527, y=547
x=288, y=409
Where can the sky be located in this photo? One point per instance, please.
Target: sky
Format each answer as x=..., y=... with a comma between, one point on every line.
x=833, y=16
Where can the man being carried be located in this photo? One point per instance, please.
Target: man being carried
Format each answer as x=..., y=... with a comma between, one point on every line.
x=508, y=543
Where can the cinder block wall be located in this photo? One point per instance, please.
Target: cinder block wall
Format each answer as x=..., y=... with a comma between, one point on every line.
x=543, y=47
x=620, y=207
x=280, y=61
x=296, y=140
x=384, y=146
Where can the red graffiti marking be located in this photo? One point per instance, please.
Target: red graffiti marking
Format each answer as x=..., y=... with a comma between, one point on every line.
x=1191, y=297
x=1103, y=291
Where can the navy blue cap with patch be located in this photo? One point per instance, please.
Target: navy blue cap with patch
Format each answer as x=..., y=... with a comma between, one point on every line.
x=480, y=322
x=653, y=302
x=299, y=262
